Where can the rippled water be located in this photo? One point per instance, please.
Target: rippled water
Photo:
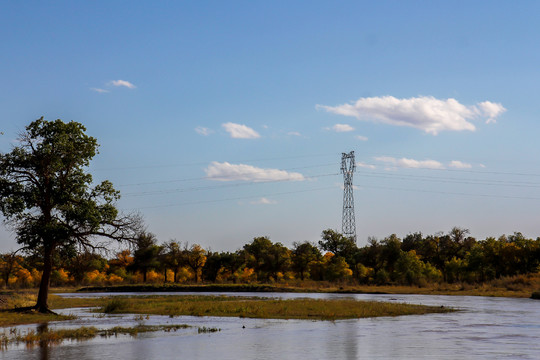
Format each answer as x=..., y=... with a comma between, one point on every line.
x=486, y=328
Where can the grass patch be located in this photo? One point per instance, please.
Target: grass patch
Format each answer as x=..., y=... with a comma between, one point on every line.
x=32, y=338
x=115, y=305
x=8, y=318
x=253, y=307
x=204, y=330
x=249, y=307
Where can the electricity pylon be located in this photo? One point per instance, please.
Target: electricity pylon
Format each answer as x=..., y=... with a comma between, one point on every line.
x=348, y=166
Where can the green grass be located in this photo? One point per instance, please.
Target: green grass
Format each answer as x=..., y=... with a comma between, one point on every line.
x=8, y=318
x=12, y=300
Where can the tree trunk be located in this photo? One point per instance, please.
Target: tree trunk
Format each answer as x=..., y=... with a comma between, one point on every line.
x=42, y=305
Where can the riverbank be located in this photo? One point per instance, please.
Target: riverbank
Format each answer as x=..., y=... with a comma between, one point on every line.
x=517, y=287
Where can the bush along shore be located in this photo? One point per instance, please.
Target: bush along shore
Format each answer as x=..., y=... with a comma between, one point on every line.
x=519, y=286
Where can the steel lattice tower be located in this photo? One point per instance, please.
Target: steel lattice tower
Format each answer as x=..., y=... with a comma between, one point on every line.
x=348, y=166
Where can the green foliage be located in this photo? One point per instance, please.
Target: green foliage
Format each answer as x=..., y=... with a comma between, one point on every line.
x=266, y=258
x=337, y=244
x=146, y=254
x=48, y=197
x=304, y=254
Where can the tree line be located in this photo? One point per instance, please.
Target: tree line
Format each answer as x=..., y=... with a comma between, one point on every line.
x=414, y=260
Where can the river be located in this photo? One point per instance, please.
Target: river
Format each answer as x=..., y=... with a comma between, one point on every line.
x=484, y=328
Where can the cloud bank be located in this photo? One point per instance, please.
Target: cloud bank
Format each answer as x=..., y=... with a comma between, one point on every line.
x=240, y=172
x=410, y=163
x=238, y=131
x=421, y=164
x=456, y=164
x=426, y=113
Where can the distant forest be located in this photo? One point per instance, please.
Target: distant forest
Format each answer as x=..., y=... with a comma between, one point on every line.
x=414, y=260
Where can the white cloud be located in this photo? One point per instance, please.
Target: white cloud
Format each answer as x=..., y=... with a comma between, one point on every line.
x=491, y=110
x=294, y=133
x=366, y=166
x=264, y=201
x=122, y=83
x=425, y=112
x=342, y=128
x=233, y=172
x=411, y=163
x=361, y=138
x=459, y=165
x=203, y=130
x=238, y=131
x=99, y=90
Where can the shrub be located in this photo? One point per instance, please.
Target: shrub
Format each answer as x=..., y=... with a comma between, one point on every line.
x=115, y=305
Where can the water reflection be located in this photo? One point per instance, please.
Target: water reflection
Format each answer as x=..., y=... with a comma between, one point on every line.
x=43, y=344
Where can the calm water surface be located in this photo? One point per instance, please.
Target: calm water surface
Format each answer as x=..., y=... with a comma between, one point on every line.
x=485, y=328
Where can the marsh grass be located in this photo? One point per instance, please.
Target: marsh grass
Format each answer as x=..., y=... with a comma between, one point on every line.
x=8, y=318
x=204, y=330
x=115, y=305
x=32, y=338
x=253, y=307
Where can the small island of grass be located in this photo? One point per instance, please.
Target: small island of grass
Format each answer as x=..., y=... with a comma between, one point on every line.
x=231, y=306
x=255, y=307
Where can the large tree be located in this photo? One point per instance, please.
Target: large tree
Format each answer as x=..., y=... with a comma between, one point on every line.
x=48, y=197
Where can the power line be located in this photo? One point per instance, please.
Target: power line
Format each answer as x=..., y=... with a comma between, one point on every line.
x=207, y=178
x=450, y=193
x=233, y=199
x=199, y=188
x=452, y=180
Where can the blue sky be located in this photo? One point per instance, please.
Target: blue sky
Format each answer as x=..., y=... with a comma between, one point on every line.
x=222, y=121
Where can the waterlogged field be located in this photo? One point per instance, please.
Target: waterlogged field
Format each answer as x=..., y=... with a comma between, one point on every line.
x=190, y=305
x=483, y=328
